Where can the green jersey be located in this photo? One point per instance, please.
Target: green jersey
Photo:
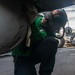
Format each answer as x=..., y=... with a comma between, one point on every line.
x=37, y=34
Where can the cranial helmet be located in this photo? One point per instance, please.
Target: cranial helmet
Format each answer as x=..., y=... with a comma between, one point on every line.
x=59, y=16
x=56, y=19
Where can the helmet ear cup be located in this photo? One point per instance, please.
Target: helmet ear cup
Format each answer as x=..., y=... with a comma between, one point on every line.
x=56, y=18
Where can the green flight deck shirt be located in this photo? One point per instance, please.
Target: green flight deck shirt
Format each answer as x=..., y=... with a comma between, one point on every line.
x=37, y=34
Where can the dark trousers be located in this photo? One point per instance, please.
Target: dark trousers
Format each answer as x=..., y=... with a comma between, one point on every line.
x=42, y=52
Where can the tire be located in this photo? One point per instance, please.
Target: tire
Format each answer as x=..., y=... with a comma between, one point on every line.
x=61, y=42
x=68, y=30
x=72, y=39
x=13, y=25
